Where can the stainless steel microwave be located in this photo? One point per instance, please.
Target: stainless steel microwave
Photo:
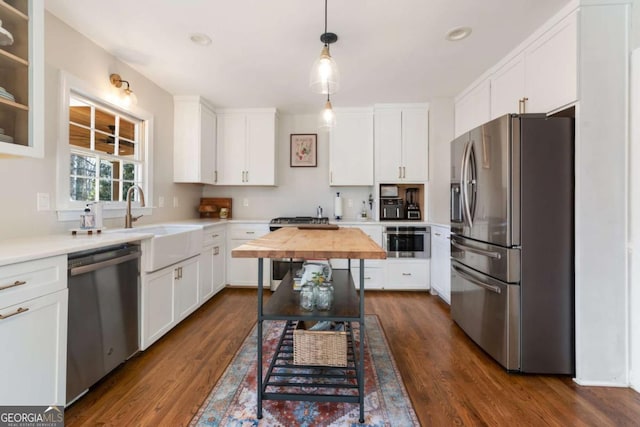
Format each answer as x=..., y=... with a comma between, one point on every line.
x=407, y=242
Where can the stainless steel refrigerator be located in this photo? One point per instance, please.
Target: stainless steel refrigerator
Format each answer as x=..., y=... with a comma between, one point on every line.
x=512, y=243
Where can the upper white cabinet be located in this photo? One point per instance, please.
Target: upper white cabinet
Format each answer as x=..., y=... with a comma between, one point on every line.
x=402, y=142
x=507, y=87
x=194, y=145
x=246, y=147
x=22, y=77
x=351, y=140
x=539, y=77
x=551, y=65
x=473, y=108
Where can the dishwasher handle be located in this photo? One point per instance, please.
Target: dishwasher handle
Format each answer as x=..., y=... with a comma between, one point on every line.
x=98, y=265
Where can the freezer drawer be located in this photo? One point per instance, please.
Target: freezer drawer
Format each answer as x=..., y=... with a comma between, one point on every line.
x=488, y=310
x=495, y=261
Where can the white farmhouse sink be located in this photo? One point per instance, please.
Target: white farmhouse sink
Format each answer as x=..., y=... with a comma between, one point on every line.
x=170, y=244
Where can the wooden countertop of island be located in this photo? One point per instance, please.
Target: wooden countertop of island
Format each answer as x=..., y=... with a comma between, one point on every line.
x=294, y=242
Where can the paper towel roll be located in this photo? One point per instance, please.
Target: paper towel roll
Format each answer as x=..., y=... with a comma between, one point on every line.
x=337, y=207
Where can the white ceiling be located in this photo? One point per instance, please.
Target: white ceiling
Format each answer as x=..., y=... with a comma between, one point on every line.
x=262, y=50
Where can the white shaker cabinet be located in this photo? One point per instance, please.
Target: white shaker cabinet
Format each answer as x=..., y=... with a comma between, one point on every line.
x=33, y=326
x=441, y=262
x=212, y=263
x=351, y=140
x=551, y=68
x=243, y=272
x=246, y=147
x=507, y=88
x=401, y=142
x=167, y=296
x=473, y=108
x=405, y=274
x=194, y=144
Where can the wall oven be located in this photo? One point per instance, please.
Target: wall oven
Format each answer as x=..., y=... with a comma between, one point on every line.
x=407, y=242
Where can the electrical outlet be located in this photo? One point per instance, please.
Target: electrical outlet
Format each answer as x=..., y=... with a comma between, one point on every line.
x=43, y=202
x=176, y=203
x=245, y=202
x=161, y=202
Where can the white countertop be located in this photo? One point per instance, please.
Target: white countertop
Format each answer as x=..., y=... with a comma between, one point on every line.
x=29, y=248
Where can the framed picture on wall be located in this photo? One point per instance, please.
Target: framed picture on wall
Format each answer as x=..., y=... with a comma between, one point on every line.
x=303, y=150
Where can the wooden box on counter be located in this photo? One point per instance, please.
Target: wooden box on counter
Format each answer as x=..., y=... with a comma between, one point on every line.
x=210, y=207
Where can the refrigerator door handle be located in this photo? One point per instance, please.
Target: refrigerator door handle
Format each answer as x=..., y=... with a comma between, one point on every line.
x=492, y=288
x=465, y=174
x=490, y=254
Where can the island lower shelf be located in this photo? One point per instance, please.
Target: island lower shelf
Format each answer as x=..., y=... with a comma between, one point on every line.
x=286, y=380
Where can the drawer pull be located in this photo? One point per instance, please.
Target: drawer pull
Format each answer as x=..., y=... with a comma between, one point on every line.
x=18, y=311
x=251, y=232
x=213, y=236
x=16, y=283
x=406, y=274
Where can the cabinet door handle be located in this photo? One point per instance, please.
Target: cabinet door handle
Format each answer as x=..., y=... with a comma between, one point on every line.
x=176, y=274
x=216, y=250
x=406, y=274
x=404, y=171
x=399, y=171
x=437, y=234
x=521, y=104
x=215, y=176
x=213, y=236
x=18, y=311
x=14, y=284
x=250, y=232
x=247, y=176
x=367, y=277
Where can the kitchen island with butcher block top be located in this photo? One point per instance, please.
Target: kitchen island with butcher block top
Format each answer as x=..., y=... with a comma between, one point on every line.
x=284, y=379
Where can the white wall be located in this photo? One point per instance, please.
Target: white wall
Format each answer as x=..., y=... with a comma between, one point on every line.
x=602, y=332
x=299, y=191
x=22, y=178
x=634, y=222
x=441, y=126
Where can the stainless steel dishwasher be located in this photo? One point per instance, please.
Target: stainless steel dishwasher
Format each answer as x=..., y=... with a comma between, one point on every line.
x=103, y=314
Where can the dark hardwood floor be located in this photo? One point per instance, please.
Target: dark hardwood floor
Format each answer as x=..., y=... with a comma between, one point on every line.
x=449, y=379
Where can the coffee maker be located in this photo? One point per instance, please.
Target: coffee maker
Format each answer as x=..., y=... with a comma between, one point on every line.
x=411, y=204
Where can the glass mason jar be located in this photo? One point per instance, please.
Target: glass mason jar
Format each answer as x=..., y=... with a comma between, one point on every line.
x=324, y=296
x=307, y=296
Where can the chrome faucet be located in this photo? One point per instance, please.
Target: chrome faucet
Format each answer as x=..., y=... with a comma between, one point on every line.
x=128, y=218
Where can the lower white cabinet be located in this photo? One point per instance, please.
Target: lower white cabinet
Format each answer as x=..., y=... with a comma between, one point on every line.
x=33, y=328
x=441, y=262
x=168, y=296
x=244, y=271
x=407, y=274
x=373, y=277
x=212, y=264
x=34, y=359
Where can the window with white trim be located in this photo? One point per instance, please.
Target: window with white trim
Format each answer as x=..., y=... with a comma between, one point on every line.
x=106, y=154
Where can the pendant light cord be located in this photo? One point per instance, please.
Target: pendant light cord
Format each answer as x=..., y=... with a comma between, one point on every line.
x=325, y=24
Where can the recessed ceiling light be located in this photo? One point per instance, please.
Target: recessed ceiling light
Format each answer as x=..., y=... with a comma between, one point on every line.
x=201, y=39
x=458, y=33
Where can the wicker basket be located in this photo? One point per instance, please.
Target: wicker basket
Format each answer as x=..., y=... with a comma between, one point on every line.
x=322, y=348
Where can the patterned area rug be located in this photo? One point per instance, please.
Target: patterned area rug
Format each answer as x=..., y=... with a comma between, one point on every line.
x=233, y=401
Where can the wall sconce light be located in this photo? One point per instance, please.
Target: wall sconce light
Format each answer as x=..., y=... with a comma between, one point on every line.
x=130, y=98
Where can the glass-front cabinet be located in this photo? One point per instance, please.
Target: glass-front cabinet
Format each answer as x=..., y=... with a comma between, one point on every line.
x=22, y=78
